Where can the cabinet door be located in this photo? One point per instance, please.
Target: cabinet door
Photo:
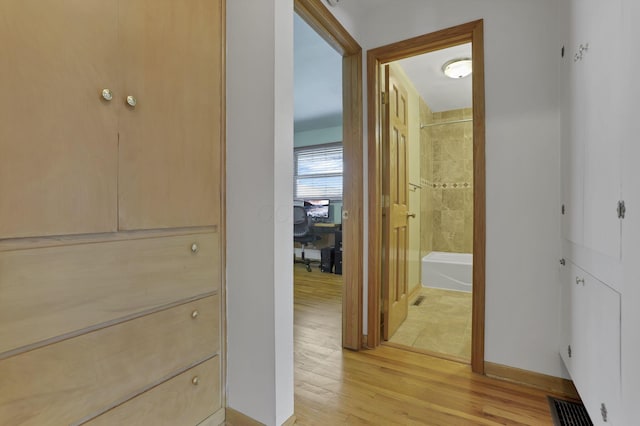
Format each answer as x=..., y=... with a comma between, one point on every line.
x=566, y=318
x=58, y=136
x=595, y=343
x=169, y=147
x=596, y=123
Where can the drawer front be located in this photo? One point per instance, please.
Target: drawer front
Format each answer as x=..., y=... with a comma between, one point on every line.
x=80, y=377
x=52, y=291
x=187, y=399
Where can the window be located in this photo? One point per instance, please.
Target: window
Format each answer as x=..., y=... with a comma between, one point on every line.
x=318, y=172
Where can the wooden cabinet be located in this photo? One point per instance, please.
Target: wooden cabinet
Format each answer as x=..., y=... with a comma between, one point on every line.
x=73, y=162
x=86, y=375
x=169, y=162
x=111, y=162
x=82, y=286
x=188, y=398
x=58, y=137
x=590, y=342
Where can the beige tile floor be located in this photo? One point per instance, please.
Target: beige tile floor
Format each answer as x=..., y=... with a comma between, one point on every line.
x=441, y=323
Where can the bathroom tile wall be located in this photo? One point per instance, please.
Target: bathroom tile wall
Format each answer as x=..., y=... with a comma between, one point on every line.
x=426, y=171
x=447, y=161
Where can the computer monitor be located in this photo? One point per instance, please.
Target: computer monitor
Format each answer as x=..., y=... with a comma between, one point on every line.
x=317, y=209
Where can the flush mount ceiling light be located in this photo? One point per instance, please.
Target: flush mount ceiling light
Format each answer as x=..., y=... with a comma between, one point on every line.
x=457, y=68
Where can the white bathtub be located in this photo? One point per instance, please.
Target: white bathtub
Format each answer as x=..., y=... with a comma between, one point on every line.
x=451, y=271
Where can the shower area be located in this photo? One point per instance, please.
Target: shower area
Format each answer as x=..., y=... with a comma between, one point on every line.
x=440, y=176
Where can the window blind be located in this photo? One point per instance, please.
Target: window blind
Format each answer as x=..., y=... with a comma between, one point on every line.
x=318, y=172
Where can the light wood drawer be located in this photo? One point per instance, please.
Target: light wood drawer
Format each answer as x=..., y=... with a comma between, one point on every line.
x=175, y=402
x=68, y=381
x=52, y=291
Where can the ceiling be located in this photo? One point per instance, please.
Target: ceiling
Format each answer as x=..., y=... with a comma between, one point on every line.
x=318, y=80
x=440, y=92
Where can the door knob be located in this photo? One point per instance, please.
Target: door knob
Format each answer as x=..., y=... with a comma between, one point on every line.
x=131, y=101
x=107, y=95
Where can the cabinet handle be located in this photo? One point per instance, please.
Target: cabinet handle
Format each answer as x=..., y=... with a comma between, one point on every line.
x=413, y=215
x=107, y=95
x=603, y=412
x=131, y=101
x=195, y=381
x=194, y=248
x=195, y=314
x=579, y=281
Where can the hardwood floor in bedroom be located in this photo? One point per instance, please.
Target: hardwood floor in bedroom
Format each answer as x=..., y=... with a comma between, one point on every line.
x=389, y=386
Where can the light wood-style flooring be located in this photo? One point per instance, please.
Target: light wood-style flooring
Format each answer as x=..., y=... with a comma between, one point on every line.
x=389, y=386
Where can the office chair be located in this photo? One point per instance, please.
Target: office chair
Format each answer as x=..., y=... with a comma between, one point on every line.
x=302, y=233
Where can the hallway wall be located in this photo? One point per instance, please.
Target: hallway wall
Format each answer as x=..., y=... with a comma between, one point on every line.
x=522, y=155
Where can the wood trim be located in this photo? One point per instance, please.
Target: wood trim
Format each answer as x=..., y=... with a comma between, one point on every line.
x=479, y=202
x=223, y=212
x=555, y=385
x=469, y=32
x=427, y=352
x=374, y=159
x=426, y=43
x=291, y=420
x=216, y=419
x=236, y=418
x=329, y=28
x=352, y=237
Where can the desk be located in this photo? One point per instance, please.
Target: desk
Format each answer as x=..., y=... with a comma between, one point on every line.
x=327, y=232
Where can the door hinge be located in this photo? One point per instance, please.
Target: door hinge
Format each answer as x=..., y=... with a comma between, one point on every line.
x=384, y=98
x=562, y=209
x=569, y=351
x=622, y=209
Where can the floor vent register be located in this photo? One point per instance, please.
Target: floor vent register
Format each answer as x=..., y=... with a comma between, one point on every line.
x=568, y=413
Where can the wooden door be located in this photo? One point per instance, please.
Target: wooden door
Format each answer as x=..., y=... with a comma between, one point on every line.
x=395, y=194
x=170, y=140
x=58, y=136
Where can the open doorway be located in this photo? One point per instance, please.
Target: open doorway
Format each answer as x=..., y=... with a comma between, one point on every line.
x=391, y=187
x=438, y=189
x=316, y=15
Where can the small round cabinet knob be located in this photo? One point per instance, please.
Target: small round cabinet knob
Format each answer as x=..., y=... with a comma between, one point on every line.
x=131, y=101
x=194, y=248
x=195, y=314
x=107, y=95
x=195, y=381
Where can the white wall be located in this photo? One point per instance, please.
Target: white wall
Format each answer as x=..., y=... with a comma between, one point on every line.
x=317, y=136
x=259, y=215
x=631, y=223
x=522, y=152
